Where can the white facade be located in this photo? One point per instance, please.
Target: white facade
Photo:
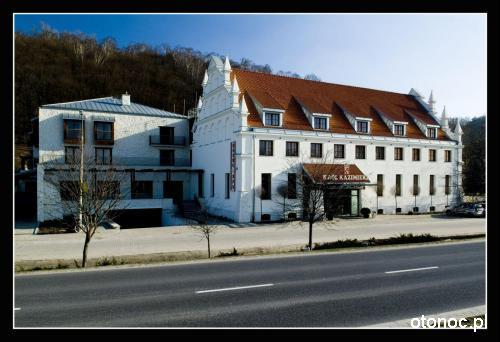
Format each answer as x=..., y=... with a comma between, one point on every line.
x=131, y=149
x=222, y=119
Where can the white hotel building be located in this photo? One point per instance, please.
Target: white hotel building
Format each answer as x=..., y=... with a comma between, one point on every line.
x=251, y=128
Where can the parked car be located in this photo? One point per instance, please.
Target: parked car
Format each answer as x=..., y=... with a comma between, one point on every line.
x=468, y=209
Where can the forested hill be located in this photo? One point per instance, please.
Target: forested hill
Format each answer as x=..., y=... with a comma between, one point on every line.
x=53, y=67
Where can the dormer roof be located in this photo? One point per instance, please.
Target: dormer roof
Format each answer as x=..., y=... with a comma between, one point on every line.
x=291, y=94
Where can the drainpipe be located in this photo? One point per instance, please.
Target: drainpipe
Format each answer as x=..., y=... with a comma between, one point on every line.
x=80, y=216
x=253, y=177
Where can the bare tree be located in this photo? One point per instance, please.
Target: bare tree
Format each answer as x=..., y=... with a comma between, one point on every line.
x=432, y=191
x=415, y=190
x=85, y=191
x=282, y=191
x=261, y=195
x=312, y=77
x=204, y=228
x=312, y=183
x=395, y=191
x=379, y=192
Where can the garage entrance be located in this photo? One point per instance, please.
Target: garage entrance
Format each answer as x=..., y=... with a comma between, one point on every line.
x=138, y=218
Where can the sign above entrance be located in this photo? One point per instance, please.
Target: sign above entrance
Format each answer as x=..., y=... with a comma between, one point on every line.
x=335, y=173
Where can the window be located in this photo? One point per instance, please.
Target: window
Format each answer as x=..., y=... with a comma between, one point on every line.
x=103, y=132
x=227, y=185
x=69, y=190
x=399, y=129
x=447, y=156
x=316, y=150
x=447, y=189
x=338, y=151
x=266, y=186
x=292, y=186
x=360, y=152
x=415, y=189
x=142, y=189
x=266, y=147
x=72, y=130
x=432, y=185
x=416, y=154
x=362, y=126
x=200, y=185
x=320, y=123
x=380, y=185
x=398, y=153
x=109, y=189
x=398, y=185
x=212, y=185
x=167, y=157
x=292, y=149
x=432, y=133
x=103, y=156
x=272, y=119
x=71, y=154
x=432, y=155
x=380, y=152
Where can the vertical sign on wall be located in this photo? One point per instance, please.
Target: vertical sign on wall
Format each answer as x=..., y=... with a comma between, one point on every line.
x=233, y=165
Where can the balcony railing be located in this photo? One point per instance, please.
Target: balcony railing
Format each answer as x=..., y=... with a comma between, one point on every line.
x=167, y=140
x=140, y=161
x=130, y=161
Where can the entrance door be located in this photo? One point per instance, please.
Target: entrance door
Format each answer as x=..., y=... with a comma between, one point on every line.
x=341, y=202
x=166, y=135
x=173, y=189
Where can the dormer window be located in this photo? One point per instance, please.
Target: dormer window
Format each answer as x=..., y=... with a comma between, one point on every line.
x=320, y=123
x=399, y=130
x=362, y=126
x=273, y=119
x=432, y=132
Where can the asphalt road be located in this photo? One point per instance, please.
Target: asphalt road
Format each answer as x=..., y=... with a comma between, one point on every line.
x=317, y=290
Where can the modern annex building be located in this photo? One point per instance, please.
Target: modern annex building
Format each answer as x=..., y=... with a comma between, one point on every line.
x=149, y=144
x=253, y=132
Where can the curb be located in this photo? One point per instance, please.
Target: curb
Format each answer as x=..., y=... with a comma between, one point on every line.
x=172, y=258
x=457, y=314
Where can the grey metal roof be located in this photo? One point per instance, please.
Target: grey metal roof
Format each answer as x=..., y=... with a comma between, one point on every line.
x=113, y=105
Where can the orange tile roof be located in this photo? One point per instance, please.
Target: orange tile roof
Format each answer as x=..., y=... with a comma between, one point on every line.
x=282, y=92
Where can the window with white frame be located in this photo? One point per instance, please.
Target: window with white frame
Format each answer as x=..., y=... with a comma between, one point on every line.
x=362, y=126
x=272, y=119
x=432, y=132
x=399, y=129
x=320, y=123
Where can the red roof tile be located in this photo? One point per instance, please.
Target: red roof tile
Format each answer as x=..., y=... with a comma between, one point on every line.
x=273, y=90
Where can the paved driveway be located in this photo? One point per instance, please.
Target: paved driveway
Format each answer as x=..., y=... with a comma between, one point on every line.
x=182, y=238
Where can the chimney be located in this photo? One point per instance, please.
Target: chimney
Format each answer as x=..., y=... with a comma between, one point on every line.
x=126, y=99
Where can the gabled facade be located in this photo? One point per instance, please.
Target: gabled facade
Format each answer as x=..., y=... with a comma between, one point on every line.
x=251, y=127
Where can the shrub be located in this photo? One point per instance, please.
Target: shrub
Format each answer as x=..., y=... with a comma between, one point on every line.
x=408, y=238
x=107, y=262
x=339, y=244
x=233, y=253
x=365, y=212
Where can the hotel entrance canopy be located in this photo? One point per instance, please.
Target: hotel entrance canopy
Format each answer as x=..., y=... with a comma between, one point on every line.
x=345, y=174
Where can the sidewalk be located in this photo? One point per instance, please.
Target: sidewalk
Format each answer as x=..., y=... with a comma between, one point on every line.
x=183, y=238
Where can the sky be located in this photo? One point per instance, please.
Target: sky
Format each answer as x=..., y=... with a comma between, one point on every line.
x=445, y=53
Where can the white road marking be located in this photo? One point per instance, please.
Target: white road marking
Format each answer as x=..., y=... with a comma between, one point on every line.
x=235, y=288
x=16, y=309
x=413, y=269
